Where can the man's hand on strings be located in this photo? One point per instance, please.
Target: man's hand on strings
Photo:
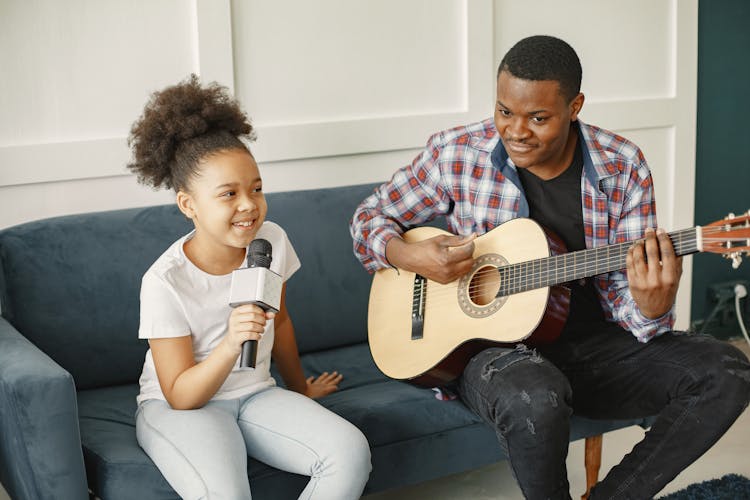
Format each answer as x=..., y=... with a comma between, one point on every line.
x=654, y=272
x=441, y=258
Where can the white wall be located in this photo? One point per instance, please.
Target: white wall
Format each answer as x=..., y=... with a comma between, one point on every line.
x=341, y=91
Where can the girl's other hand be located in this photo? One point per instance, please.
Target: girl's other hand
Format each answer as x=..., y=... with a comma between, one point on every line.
x=325, y=384
x=247, y=322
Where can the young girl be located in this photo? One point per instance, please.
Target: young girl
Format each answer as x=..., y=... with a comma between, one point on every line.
x=199, y=414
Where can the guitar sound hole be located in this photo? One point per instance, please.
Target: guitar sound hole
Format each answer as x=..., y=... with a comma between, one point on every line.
x=484, y=285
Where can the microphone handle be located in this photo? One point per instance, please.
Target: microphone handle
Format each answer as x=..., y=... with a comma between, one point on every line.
x=249, y=354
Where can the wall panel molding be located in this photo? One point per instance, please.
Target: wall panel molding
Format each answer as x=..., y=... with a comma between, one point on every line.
x=213, y=32
x=96, y=157
x=63, y=161
x=376, y=132
x=213, y=59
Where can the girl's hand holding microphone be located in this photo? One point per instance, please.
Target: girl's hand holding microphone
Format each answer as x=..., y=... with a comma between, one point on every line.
x=247, y=322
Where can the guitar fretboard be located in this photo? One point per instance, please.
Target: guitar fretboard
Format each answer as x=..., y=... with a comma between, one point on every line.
x=549, y=271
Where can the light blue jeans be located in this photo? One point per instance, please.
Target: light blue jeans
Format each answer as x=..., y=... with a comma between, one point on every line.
x=203, y=453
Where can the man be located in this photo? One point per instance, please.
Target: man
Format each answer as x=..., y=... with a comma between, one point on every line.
x=617, y=356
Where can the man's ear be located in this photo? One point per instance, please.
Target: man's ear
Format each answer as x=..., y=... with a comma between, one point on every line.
x=185, y=204
x=575, y=106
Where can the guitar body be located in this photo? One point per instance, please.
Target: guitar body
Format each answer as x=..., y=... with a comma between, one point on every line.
x=425, y=332
x=463, y=317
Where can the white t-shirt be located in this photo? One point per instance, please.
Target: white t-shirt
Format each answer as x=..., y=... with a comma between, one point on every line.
x=178, y=299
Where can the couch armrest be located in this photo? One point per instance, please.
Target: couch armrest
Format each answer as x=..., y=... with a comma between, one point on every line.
x=40, y=449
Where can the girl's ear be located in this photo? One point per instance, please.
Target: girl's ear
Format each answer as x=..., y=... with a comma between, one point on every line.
x=185, y=204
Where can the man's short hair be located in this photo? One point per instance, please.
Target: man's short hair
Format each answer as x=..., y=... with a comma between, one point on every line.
x=543, y=57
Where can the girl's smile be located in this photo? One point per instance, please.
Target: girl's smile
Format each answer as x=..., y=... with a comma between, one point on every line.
x=245, y=225
x=226, y=204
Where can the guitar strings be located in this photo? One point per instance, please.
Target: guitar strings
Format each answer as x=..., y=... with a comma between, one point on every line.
x=449, y=290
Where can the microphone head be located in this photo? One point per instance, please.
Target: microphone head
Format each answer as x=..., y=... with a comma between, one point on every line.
x=259, y=253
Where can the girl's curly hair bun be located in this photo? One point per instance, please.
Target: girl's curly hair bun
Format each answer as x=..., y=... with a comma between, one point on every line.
x=180, y=126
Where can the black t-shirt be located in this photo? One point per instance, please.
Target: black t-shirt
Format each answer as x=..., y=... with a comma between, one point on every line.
x=556, y=205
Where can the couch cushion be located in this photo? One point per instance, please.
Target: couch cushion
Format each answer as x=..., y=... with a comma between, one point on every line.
x=71, y=286
x=327, y=298
x=386, y=410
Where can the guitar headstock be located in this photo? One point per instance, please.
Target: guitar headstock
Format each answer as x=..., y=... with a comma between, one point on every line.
x=729, y=237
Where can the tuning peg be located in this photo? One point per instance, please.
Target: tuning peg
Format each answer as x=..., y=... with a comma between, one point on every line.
x=736, y=258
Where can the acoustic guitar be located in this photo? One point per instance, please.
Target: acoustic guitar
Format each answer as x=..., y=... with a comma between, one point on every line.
x=425, y=332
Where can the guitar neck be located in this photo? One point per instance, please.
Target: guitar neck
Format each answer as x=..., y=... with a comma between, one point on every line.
x=573, y=266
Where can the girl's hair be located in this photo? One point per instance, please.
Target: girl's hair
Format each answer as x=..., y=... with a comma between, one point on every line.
x=181, y=126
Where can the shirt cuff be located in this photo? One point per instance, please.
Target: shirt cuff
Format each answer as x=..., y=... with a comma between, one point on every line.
x=644, y=329
x=379, y=239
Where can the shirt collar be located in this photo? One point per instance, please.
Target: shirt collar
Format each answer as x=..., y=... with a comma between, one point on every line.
x=595, y=158
x=596, y=165
x=488, y=139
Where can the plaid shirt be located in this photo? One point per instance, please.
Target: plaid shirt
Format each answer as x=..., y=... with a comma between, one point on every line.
x=465, y=174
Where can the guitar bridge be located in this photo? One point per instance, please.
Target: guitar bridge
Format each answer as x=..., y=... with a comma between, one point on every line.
x=417, y=307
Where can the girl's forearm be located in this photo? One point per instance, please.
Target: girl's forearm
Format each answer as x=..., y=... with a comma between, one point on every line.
x=195, y=386
x=286, y=355
x=291, y=371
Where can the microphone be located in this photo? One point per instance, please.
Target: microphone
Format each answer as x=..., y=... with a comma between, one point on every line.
x=255, y=284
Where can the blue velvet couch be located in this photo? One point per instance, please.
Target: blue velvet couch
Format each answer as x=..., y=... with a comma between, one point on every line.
x=70, y=357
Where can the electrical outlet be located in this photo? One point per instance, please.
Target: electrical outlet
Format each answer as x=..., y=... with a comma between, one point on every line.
x=722, y=315
x=724, y=291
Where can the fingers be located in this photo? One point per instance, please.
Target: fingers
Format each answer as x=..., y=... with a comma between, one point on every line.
x=636, y=260
x=459, y=254
x=444, y=258
x=248, y=320
x=670, y=262
x=324, y=384
x=653, y=273
x=235, y=339
x=247, y=331
x=459, y=248
x=328, y=378
x=459, y=241
x=652, y=253
x=250, y=313
x=653, y=259
x=249, y=308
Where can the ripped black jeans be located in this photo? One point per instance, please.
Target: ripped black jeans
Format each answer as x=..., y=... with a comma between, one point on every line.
x=696, y=386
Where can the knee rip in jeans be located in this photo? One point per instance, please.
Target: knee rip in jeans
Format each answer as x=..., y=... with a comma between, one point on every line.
x=490, y=368
x=553, y=398
x=551, y=395
x=525, y=397
x=529, y=426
